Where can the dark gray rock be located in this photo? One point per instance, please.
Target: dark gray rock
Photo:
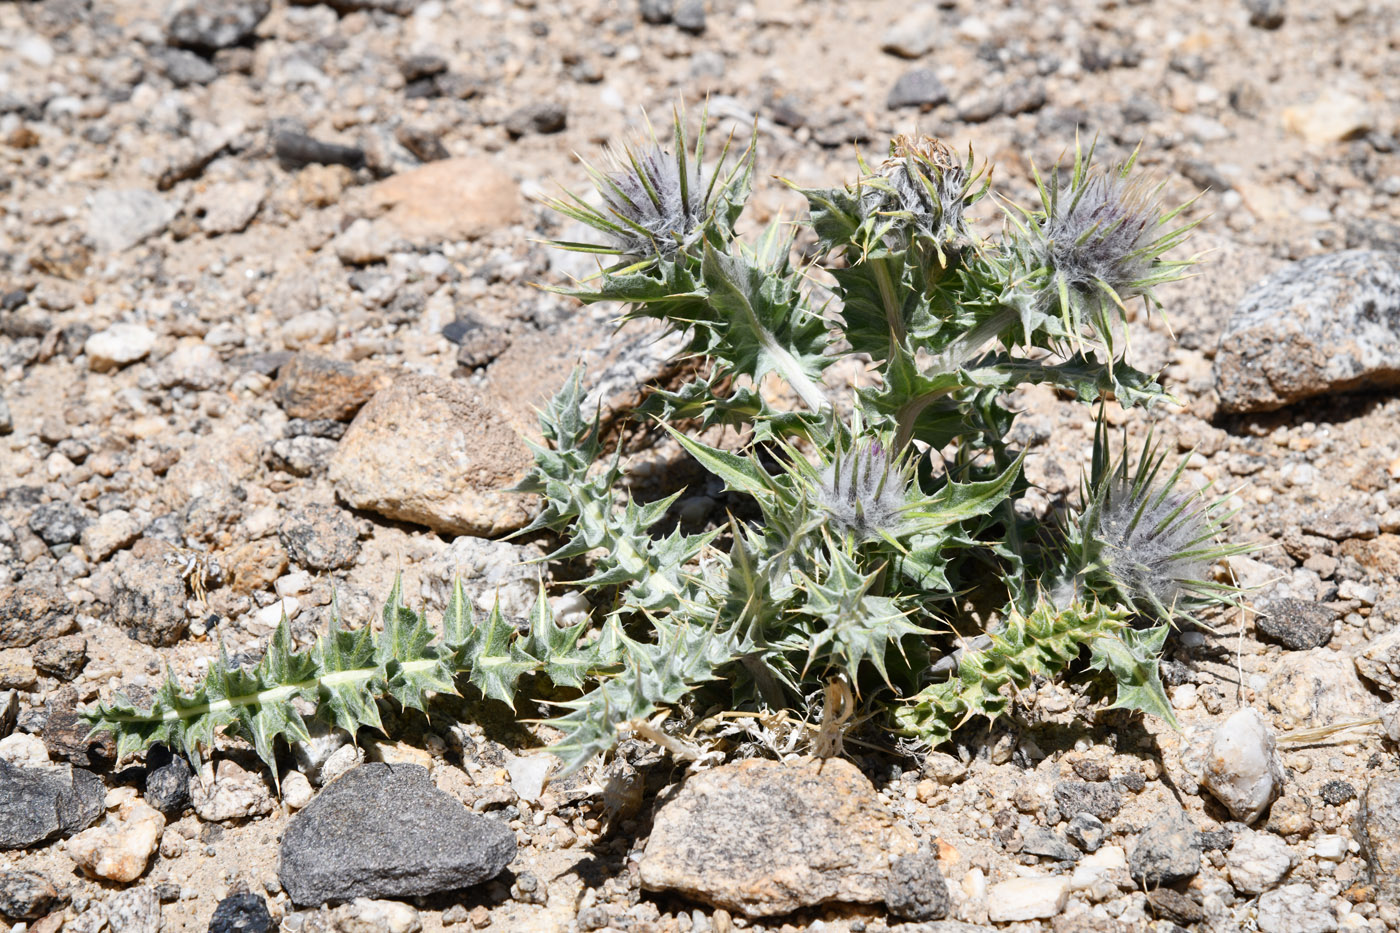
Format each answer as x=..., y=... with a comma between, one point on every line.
x=1325, y=324
x=209, y=25
x=63, y=657
x=1378, y=825
x=1266, y=14
x=917, y=890
x=26, y=895
x=167, y=781
x=657, y=12
x=1044, y=843
x=320, y=537
x=57, y=523
x=1166, y=852
x=690, y=16
x=917, y=88
x=1175, y=906
x=66, y=734
x=39, y=803
x=241, y=913
x=295, y=150
x=1296, y=623
x=33, y=610
x=1086, y=831
x=1099, y=798
x=385, y=831
x=541, y=117
x=1336, y=793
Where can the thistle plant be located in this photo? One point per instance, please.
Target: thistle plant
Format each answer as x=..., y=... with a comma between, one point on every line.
x=876, y=543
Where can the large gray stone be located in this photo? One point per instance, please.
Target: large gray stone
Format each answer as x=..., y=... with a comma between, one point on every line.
x=1378, y=822
x=1326, y=324
x=385, y=831
x=39, y=803
x=123, y=217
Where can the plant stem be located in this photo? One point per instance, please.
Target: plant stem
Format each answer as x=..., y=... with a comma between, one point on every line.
x=894, y=314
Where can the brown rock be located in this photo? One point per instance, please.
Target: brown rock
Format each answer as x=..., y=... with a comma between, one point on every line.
x=433, y=452
x=767, y=838
x=453, y=199
x=67, y=735
x=318, y=388
x=63, y=657
x=31, y=610
x=256, y=565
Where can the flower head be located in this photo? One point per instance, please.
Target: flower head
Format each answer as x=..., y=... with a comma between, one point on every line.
x=864, y=490
x=923, y=188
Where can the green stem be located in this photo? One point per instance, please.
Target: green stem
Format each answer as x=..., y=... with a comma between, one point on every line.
x=894, y=313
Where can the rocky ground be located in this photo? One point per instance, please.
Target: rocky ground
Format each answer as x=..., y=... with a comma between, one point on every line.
x=269, y=331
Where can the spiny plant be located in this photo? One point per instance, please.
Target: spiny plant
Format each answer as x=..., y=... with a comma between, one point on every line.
x=878, y=544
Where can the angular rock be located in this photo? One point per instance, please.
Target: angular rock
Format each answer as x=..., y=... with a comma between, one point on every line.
x=1045, y=843
x=917, y=88
x=1266, y=14
x=1335, y=116
x=1325, y=324
x=119, y=849
x=320, y=537
x=192, y=365
x=300, y=456
x=1166, y=852
x=1378, y=831
x=209, y=25
x=32, y=610
x=763, y=838
x=1098, y=798
x=1086, y=831
x=118, y=346
x=38, y=804
x=464, y=458
x=57, y=523
x=111, y=532
x=452, y=199
x=1242, y=767
x=228, y=207
x=320, y=389
x=542, y=117
x=913, y=35
x=917, y=890
x=1295, y=908
x=1379, y=662
x=167, y=781
x=149, y=602
x=122, y=218
x=63, y=657
x=1027, y=899
x=135, y=910
x=229, y=792
x=25, y=895
x=1258, y=862
x=17, y=669
x=1296, y=623
x=386, y=831
x=1318, y=688
x=1173, y=905
x=490, y=571
x=67, y=735
x=363, y=915
x=242, y=913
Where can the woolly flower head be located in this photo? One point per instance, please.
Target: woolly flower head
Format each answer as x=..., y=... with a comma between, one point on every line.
x=864, y=490
x=1156, y=541
x=1103, y=234
x=657, y=197
x=925, y=188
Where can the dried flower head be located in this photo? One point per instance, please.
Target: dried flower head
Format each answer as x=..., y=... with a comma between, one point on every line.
x=924, y=188
x=864, y=490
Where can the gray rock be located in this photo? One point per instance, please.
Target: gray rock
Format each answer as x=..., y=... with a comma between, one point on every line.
x=320, y=537
x=489, y=571
x=1086, y=831
x=657, y=12
x=1326, y=324
x=541, y=117
x=917, y=890
x=1258, y=862
x=1342, y=522
x=913, y=35
x=123, y=217
x=57, y=523
x=167, y=782
x=1296, y=623
x=185, y=68
x=1295, y=908
x=917, y=88
x=1166, y=852
x=241, y=913
x=38, y=804
x=1045, y=843
x=32, y=610
x=1379, y=662
x=1378, y=831
x=9, y=712
x=1317, y=688
x=386, y=831
x=690, y=16
x=1099, y=798
x=26, y=895
x=149, y=602
x=300, y=456
x=135, y=910
x=209, y=25
x=1266, y=14
x=981, y=106
x=68, y=736
x=765, y=838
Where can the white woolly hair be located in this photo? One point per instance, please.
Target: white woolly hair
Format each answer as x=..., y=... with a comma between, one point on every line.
x=1103, y=232
x=645, y=189
x=863, y=491
x=1153, y=538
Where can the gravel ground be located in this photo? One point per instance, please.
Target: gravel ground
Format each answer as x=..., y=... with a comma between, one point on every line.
x=229, y=229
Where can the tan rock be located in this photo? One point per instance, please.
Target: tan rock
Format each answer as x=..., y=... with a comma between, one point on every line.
x=229, y=793
x=17, y=669
x=256, y=565
x=764, y=837
x=119, y=849
x=432, y=452
x=1379, y=663
x=111, y=532
x=1334, y=117
x=1317, y=688
x=453, y=199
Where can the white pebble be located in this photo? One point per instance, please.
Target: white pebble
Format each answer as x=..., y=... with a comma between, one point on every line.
x=1242, y=766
